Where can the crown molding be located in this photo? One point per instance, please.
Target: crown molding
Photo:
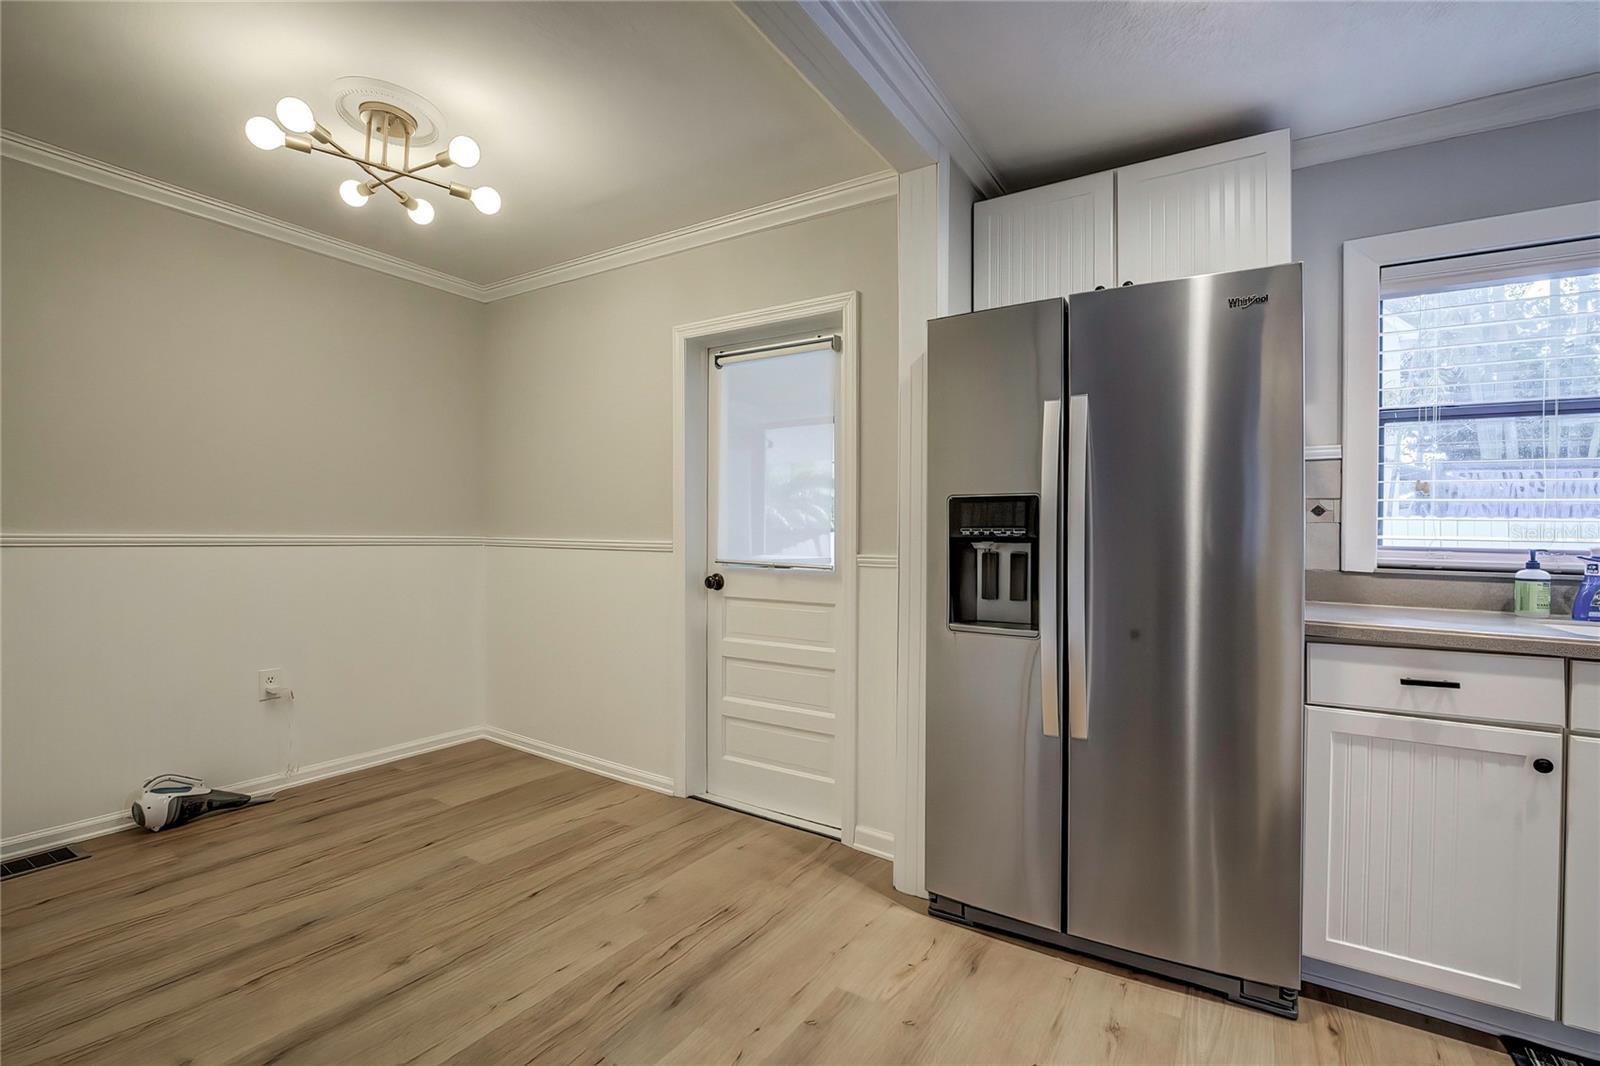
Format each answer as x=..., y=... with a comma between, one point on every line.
x=814, y=204
x=891, y=56
x=819, y=202
x=71, y=164
x=1551, y=100
x=856, y=59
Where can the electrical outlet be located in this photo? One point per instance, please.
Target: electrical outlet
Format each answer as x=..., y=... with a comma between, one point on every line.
x=271, y=685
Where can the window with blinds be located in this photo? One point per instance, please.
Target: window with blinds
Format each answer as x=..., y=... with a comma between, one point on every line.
x=1489, y=403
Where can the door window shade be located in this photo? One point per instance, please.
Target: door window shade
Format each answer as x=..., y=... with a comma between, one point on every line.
x=776, y=438
x=1489, y=402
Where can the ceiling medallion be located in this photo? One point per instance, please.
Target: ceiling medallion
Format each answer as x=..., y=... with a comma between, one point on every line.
x=391, y=131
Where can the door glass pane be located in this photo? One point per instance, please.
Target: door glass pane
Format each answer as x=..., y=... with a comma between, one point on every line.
x=775, y=467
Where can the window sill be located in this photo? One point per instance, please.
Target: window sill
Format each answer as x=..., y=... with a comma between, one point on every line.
x=1571, y=573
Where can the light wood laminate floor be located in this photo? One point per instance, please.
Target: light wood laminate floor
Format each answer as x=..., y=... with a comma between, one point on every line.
x=480, y=905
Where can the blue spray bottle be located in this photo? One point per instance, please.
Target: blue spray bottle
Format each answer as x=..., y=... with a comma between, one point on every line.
x=1586, y=604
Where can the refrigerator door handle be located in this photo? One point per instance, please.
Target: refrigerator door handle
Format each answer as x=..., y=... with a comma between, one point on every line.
x=1049, y=581
x=1077, y=566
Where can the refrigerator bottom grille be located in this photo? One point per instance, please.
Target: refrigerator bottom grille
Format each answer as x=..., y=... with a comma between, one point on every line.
x=1284, y=1002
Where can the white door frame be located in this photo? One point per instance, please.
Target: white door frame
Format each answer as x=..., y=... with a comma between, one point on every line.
x=691, y=364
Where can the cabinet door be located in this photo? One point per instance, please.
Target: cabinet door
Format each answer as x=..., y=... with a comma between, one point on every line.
x=1580, y=992
x=1042, y=243
x=1433, y=854
x=1220, y=208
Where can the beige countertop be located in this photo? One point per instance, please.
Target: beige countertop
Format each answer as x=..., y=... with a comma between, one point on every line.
x=1426, y=627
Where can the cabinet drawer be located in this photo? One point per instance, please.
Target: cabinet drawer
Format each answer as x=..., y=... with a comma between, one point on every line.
x=1440, y=684
x=1586, y=696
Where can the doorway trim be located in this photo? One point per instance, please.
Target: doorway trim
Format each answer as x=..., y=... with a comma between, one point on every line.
x=691, y=361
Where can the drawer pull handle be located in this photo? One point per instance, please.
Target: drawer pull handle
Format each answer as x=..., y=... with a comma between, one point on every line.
x=1425, y=682
x=1544, y=766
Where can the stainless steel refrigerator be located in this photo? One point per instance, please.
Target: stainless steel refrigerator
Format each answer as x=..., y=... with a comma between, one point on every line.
x=1115, y=592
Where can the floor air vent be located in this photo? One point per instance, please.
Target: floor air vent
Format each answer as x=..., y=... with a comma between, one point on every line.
x=26, y=864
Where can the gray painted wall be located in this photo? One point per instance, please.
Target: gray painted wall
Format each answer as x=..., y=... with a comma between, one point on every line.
x=1520, y=168
x=580, y=383
x=164, y=374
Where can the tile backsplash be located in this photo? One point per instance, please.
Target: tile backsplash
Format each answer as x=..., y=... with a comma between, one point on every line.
x=1322, y=513
x=1458, y=591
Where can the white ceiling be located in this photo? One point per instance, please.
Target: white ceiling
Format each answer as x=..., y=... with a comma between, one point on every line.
x=600, y=123
x=1052, y=90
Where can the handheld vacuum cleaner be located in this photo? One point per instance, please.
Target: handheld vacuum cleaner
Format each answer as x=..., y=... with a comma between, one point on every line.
x=172, y=799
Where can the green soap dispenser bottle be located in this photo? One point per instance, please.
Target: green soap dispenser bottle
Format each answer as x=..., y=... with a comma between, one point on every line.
x=1532, y=596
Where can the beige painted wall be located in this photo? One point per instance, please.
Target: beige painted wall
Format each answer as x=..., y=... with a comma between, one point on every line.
x=580, y=385
x=167, y=374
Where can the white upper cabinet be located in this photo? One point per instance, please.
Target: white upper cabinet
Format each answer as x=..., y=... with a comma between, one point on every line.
x=1044, y=242
x=1220, y=208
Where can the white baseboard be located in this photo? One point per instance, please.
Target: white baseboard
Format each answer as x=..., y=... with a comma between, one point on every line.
x=872, y=841
x=595, y=765
x=875, y=842
x=101, y=825
x=69, y=833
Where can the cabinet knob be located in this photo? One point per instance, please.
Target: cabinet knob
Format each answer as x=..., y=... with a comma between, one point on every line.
x=1125, y=284
x=714, y=582
x=1544, y=766
x=1099, y=288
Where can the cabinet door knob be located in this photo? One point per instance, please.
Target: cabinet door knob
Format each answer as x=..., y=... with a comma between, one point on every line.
x=714, y=582
x=1544, y=766
x=1125, y=284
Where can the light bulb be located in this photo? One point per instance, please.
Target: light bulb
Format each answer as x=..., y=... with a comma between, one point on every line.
x=464, y=152
x=485, y=199
x=264, y=133
x=421, y=212
x=351, y=192
x=295, y=114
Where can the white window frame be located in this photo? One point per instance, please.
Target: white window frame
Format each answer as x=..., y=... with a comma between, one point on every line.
x=1364, y=260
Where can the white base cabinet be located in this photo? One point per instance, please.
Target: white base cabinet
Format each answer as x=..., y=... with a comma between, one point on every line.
x=1580, y=989
x=1433, y=854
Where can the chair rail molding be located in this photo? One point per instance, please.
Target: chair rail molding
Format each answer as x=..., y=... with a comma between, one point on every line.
x=318, y=540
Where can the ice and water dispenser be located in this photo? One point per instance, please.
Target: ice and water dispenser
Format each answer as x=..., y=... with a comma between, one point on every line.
x=994, y=546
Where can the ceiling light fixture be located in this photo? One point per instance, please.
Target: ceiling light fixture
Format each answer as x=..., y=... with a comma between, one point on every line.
x=388, y=127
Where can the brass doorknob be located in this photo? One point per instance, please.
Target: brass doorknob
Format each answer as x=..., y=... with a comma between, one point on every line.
x=714, y=582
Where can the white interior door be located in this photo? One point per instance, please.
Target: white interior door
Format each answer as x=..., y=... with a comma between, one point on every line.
x=775, y=642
